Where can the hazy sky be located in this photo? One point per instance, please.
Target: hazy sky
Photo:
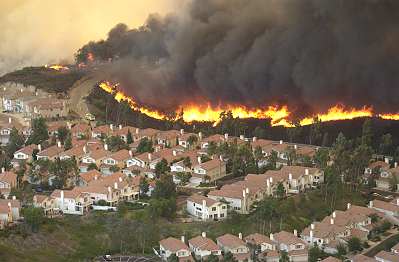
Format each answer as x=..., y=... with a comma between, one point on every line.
x=35, y=32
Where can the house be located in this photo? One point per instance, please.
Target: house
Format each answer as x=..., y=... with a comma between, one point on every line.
x=362, y=258
x=261, y=242
x=23, y=155
x=73, y=202
x=48, y=108
x=294, y=246
x=187, y=140
x=331, y=259
x=102, y=131
x=202, y=247
x=53, y=127
x=235, y=245
x=76, y=152
x=168, y=138
x=211, y=170
x=385, y=256
x=149, y=133
x=122, y=132
x=389, y=209
x=325, y=235
x=8, y=180
x=384, y=182
x=377, y=166
x=206, y=208
x=9, y=211
x=395, y=249
x=93, y=157
x=85, y=178
x=172, y=246
x=216, y=139
x=80, y=130
x=50, y=153
x=300, y=178
x=45, y=202
x=117, y=160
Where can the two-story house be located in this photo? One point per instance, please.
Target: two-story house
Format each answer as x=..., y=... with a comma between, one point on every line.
x=206, y=208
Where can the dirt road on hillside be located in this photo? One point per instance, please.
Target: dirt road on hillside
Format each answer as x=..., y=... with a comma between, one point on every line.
x=79, y=91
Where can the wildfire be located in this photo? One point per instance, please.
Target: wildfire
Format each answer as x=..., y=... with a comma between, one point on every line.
x=57, y=67
x=279, y=115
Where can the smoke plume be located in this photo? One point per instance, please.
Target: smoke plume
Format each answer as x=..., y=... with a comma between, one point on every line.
x=36, y=32
x=307, y=54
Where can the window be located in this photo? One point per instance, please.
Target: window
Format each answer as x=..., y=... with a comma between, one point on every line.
x=213, y=208
x=222, y=215
x=223, y=207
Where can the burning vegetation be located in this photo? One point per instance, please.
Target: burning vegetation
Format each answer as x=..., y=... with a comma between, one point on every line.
x=279, y=115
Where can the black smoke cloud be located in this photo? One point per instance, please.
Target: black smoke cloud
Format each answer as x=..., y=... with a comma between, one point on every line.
x=309, y=54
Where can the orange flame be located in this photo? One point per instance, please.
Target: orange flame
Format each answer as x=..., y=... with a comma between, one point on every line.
x=279, y=115
x=57, y=67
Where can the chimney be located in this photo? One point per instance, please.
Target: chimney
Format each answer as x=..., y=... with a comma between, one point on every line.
x=386, y=160
x=307, y=171
x=281, y=142
x=182, y=239
x=109, y=189
x=106, y=147
x=242, y=137
x=199, y=160
x=295, y=232
x=9, y=120
x=271, y=236
x=59, y=144
x=203, y=234
x=111, y=126
x=295, y=147
x=95, y=177
x=254, y=139
x=116, y=185
x=137, y=131
x=247, y=190
x=397, y=201
x=39, y=147
x=311, y=236
x=130, y=153
x=334, y=215
x=312, y=226
x=396, y=164
x=371, y=203
x=203, y=204
x=85, y=149
x=120, y=127
x=182, y=131
x=240, y=235
x=221, y=158
x=14, y=197
x=226, y=136
x=243, y=194
x=332, y=221
x=174, y=153
x=271, y=180
x=348, y=206
x=62, y=199
x=149, y=157
x=200, y=135
x=268, y=183
x=120, y=179
x=289, y=176
x=3, y=170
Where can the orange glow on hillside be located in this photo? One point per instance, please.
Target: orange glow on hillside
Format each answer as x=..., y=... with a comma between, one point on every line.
x=57, y=67
x=279, y=115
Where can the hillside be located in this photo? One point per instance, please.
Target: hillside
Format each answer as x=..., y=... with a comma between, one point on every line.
x=47, y=79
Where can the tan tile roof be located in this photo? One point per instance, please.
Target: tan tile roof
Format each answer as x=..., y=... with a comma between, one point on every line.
x=103, y=129
x=148, y=132
x=258, y=239
x=121, y=155
x=198, y=200
x=90, y=175
x=40, y=198
x=9, y=177
x=99, y=153
x=214, y=138
x=54, y=126
x=231, y=241
x=212, y=164
x=51, y=151
x=388, y=256
x=261, y=143
x=386, y=205
x=172, y=244
x=204, y=243
x=395, y=247
x=297, y=171
x=80, y=128
x=124, y=130
x=168, y=135
x=76, y=151
x=73, y=193
x=362, y=258
x=287, y=238
x=331, y=259
x=381, y=164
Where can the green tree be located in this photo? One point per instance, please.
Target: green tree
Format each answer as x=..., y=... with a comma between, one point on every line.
x=129, y=137
x=39, y=132
x=272, y=160
x=161, y=168
x=212, y=148
x=92, y=166
x=165, y=188
x=280, y=190
x=259, y=132
x=145, y=145
x=284, y=257
x=34, y=217
x=62, y=133
x=386, y=145
x=212, y=258
x=315, y=254
x=15, y=142
x=315, y=131
x=354, y=244
x=68, y=142
x=173, y=258
x=228, y=257
x=144, y=186
x=367, y=133
x=116, y=143
x=192, y=140
x=321, y=158
x=187, y=162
